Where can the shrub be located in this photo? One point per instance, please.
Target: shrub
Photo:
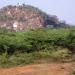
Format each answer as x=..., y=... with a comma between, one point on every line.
x=62, y=54
x=36, y=40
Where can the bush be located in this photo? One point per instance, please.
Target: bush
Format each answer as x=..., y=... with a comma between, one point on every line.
x=36, y=40
x=61, y=54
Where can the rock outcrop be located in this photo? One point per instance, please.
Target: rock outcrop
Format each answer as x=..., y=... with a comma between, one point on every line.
x=24, y=17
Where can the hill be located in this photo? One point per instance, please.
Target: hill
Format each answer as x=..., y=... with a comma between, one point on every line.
x=24, y=17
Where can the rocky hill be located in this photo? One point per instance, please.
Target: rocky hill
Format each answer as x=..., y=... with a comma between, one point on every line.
x=24, y=17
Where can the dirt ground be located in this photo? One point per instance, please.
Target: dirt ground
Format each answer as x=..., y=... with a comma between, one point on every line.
x=39, y=69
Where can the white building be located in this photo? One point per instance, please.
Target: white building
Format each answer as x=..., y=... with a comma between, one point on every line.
x=15, y=25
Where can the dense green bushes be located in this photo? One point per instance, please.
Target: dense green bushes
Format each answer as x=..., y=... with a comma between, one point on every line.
x=33, y=46
x=35, y=40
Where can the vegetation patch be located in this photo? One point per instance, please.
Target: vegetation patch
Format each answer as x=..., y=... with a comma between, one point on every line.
x=18, y=48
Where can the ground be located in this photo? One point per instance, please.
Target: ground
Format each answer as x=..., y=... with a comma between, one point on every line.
x=39, y=69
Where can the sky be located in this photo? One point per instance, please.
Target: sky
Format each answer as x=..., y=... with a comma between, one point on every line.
x=64, y=9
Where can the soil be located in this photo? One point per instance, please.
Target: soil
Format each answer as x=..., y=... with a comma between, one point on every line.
x=39, y=69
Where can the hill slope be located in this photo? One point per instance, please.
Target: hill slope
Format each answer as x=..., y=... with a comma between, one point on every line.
x=23, y=17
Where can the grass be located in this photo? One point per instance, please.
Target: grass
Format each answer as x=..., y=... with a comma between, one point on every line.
x=73, y=66
x=73, y=73
x=73, y=70
x=33, y=57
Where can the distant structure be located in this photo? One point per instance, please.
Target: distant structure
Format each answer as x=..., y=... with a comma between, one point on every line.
x=18, y=4
x=15, y=25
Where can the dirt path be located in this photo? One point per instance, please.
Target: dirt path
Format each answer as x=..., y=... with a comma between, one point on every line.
x=39, y=69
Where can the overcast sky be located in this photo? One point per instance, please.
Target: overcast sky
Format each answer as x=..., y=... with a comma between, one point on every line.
x=64, y=9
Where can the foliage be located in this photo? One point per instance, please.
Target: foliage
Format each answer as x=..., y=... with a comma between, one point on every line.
x=28, y=58
x=73, y=70
x=25, y=47
x=35, y=40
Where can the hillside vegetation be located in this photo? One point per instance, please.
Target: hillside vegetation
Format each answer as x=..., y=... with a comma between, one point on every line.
x=26, y=47
x=34, y=40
